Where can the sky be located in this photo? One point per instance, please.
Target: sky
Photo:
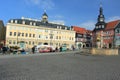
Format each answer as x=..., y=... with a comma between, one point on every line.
x=82, y=13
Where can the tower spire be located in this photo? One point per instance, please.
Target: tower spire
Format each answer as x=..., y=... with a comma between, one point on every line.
x=101, y=9
x=101, y=19
x=100, y=4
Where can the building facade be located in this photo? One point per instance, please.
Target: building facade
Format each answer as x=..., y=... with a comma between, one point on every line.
x=27, y=33
x=117, y=35
x=82, y=38
x=104, y=35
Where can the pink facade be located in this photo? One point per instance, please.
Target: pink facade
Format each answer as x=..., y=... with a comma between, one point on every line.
x=108, y=38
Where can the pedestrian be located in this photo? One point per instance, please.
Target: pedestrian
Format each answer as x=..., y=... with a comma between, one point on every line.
x=33, y=49
x=60, y=48
x=73, y=48
x=4, y=49
x=56, y=49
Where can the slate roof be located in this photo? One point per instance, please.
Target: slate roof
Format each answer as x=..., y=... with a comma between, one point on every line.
x=38, y=23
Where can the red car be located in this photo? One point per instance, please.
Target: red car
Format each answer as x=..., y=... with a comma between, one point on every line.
x=45, y=49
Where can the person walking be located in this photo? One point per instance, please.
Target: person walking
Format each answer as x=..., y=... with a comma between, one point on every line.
x=33, y=49
x=4, y=49
x=60, y=48
x=56, y=49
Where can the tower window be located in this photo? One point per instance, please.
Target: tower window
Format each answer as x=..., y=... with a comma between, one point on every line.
x=102, y=26
x=99, y=26
x=96, y=27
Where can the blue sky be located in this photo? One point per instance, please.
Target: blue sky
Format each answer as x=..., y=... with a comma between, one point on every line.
x=81, y=13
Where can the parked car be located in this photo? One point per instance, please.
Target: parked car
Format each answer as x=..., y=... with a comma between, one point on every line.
x=44, y=48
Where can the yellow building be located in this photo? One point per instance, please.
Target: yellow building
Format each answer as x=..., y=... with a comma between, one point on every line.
x=27, y=33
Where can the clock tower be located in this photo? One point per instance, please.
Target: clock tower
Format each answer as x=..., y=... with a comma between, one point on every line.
x=100, y=25
x=44, y=18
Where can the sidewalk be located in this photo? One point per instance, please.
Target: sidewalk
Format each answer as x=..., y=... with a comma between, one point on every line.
x=35, y=54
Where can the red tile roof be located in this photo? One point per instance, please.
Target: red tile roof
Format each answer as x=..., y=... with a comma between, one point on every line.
x=79, y=29
x=112, y=24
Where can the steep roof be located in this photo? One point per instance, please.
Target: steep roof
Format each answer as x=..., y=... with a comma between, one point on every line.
x=112, y=24
x=79, y=30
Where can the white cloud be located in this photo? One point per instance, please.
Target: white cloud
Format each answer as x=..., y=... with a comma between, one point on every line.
x=44, y=4
x=88, y=25
x=59, y=21
x=113, y=18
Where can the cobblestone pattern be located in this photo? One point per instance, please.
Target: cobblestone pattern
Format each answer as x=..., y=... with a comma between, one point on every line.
x=60, y=67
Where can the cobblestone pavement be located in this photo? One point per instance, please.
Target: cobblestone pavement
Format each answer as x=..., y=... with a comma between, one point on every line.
x=59, y=67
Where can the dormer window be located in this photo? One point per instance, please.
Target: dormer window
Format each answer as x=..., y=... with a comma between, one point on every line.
x=65, y=28
x=23, y=22
x=34, y=24
x=16, y=21
x=57, y=27
x=30, y=23
x=11, y=21
x=60, y=27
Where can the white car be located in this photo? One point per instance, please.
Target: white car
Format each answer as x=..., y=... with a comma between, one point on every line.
x=38, y=48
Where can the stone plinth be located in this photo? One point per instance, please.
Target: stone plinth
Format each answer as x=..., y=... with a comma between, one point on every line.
x=96, y=51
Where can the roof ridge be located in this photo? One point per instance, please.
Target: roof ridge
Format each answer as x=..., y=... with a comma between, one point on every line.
x=113, y=21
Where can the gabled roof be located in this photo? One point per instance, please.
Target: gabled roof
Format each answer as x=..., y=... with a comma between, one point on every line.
x=79, y=30
x=112, y=24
